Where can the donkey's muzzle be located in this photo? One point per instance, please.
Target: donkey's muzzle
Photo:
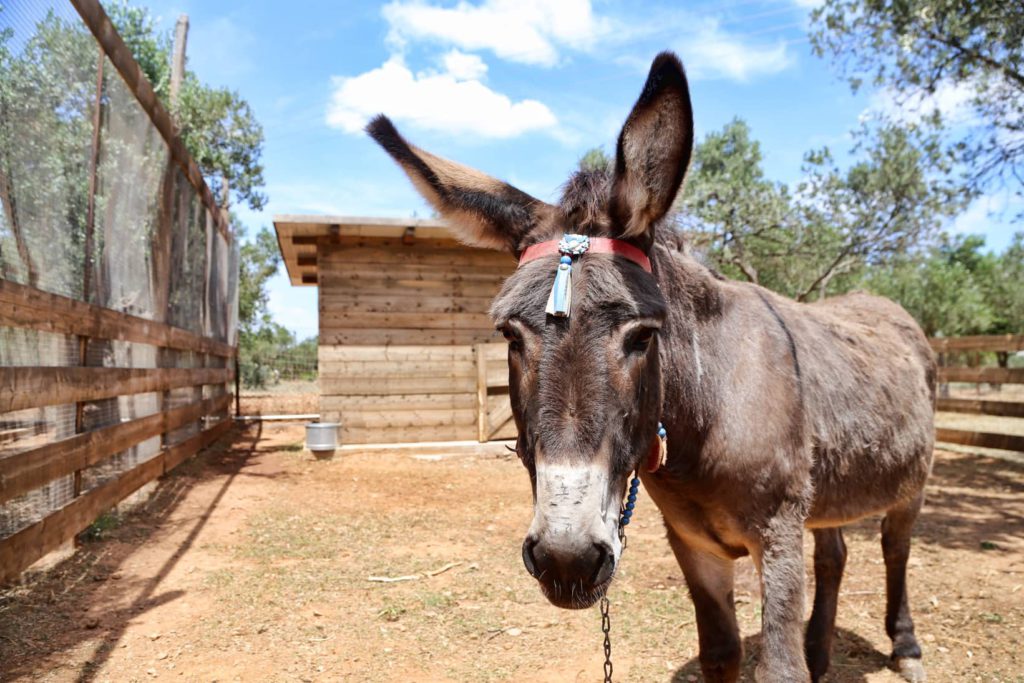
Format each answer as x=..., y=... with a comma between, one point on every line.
x=573, y=576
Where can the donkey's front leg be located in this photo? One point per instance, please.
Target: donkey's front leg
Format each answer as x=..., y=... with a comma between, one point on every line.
x=780, y=561
x=710, y=580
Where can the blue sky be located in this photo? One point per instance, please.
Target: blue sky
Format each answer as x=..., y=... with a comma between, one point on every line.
x=518, y=88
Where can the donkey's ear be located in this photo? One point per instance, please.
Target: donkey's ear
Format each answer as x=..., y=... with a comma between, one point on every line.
x=484, y=211
x=653, y=150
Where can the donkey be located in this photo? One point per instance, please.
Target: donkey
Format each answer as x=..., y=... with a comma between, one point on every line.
x=779, y=415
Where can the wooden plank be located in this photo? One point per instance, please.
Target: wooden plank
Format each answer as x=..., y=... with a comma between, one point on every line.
x=398, y=402
x=121, y=57
x=389, y=385
x=499, y=418
x=21, y=550
x=412, y=273
x=394, y=353
x=400, y=434
x=23, y=306
x=331, y=321
x=27, y=470
x=1000, y=342
x=405, y=336
x=359, y=371
x=34, y=387
x=497, y=353
x=179, y=453
x=981, y=407
x=384, y=285
x=398, y=258
x=1006, y=442
x=991, y=375
x=481, y=393
x=497, y=375
x=333, y=301
x=407, y=418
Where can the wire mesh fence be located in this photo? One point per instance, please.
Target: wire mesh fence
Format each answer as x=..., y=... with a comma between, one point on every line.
x=279, y=381
x=96, y=206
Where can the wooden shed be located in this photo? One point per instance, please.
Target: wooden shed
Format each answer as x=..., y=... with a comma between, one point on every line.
x=407, y=349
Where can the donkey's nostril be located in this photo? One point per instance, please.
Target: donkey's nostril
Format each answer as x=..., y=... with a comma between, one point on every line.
x=528, y=558
x=605, y=564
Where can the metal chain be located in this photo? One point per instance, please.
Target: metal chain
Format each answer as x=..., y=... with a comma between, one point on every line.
x=606, y=626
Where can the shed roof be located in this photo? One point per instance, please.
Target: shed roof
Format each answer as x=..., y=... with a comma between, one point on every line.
x=298, y=236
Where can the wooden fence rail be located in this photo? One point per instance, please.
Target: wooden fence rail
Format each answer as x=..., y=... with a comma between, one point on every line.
x=1002, y=345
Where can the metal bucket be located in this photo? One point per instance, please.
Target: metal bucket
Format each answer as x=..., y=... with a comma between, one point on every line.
x=322, y=438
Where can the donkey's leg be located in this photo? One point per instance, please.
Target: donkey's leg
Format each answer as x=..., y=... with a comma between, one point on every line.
x=780, y=560
x=829, y=562
x=896, y=529
x=710, y=580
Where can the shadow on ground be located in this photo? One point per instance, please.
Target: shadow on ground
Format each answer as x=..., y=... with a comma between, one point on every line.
x=853, y=659
x=47, y=615
x=974, y=503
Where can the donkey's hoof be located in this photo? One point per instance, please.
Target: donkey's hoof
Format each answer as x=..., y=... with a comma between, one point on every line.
x=911, y=669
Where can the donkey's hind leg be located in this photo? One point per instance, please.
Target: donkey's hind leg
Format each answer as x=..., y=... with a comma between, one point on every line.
x=896, y=530
x=829, y=562
x=710, y=580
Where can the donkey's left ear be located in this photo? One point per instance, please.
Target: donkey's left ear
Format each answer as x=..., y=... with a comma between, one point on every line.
x=483, y=211
x=653, y=151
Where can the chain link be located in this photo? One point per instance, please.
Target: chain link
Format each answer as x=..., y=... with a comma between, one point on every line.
x=606, y=627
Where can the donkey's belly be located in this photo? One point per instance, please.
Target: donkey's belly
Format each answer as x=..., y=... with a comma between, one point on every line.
x=850, y=486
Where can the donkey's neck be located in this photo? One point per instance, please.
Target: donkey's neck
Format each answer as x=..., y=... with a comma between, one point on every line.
x=690, y=335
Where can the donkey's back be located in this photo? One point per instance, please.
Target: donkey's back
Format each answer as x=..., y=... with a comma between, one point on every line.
x=868, y=378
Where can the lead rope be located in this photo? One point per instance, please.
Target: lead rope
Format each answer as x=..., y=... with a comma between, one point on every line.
x=625, y=514
x=606, y=620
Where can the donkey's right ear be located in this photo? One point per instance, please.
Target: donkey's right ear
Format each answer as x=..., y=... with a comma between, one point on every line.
x=483, y=211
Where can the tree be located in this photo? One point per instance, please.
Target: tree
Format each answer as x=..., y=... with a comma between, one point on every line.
x=887, y=203
x=736, y=216
x=942, y=287
x=259, y=260
x=917, y=48
x=815, y=241
x=217, y=126
x=1002, y=280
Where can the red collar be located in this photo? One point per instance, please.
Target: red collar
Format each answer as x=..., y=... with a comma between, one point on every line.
x=598, y=245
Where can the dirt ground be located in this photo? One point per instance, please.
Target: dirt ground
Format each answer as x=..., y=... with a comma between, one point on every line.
x=253, y=563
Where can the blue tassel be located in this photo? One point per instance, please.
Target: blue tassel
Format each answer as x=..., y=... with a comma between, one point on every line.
x=560, y=301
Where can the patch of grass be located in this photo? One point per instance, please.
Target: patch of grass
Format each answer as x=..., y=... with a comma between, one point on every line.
x=104, y=523
x=292, y=447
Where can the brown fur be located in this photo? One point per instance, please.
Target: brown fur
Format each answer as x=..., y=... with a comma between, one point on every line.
x=780, y=415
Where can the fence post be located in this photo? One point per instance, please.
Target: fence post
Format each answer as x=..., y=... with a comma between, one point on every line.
x=238, y=387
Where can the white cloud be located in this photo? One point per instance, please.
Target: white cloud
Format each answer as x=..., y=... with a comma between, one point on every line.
x=464, y=67
x=953, y=100
x=526, y=31
x=444, y=102
x=710, y=53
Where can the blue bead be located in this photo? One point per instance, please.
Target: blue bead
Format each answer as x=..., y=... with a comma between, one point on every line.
x=631, y=499
x=625, y=521
x=566, y=260
x=662, y=433
x=629, y=508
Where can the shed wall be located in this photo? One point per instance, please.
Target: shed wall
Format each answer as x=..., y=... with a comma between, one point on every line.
x=398, y=325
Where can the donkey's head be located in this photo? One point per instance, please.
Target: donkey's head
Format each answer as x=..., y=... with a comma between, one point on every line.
x=586, y=388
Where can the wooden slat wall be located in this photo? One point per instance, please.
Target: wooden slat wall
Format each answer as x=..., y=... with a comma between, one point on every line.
x=397, y=327
x=428, y=293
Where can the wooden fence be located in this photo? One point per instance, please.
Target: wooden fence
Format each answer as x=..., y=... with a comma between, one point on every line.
x=183, y=250
x=959, y=362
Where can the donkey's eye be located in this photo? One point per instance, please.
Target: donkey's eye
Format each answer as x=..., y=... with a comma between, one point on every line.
x=640, y=341
x=515, y=342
